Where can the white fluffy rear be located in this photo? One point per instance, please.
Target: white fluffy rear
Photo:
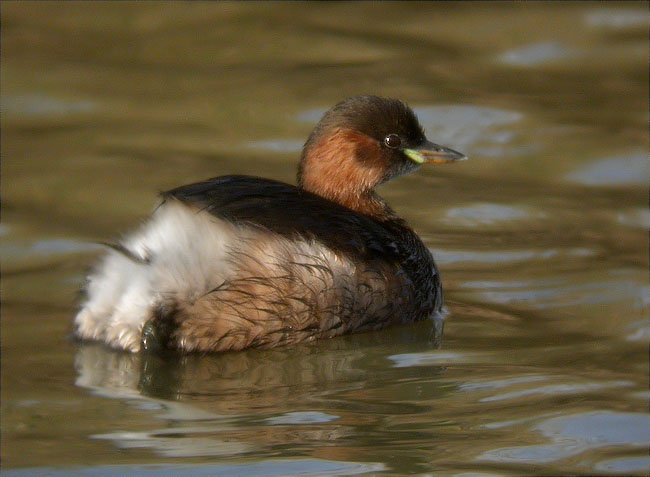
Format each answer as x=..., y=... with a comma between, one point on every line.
x=179, y=256
x=185, y=251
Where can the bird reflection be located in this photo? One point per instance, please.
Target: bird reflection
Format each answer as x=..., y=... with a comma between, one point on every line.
x=242, y=402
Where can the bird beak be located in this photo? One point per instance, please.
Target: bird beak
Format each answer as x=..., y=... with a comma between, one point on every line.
x=430, y=153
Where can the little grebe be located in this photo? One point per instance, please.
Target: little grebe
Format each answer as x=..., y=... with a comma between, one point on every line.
x=237, y=261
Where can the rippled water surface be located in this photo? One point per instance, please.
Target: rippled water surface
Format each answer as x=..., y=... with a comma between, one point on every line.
x=541, y=237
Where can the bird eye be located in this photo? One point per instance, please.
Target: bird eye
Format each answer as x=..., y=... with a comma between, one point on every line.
x=393, y=141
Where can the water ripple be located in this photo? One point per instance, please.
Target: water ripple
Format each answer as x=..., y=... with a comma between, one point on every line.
x=620, y=170
x=436, y=358
x=47, y=247
x=617, y=18
x=488, y=214
x=557, y=389
x=301, y=417
x=271, y=468
x=626, y=465
x=507, y=256
x=278, y=145
x=565, y=294
x=536, y=54
x=35, y=105
x=638, y=218
x=574, y=434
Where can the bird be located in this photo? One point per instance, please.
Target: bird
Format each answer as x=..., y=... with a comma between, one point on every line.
x=237, y=261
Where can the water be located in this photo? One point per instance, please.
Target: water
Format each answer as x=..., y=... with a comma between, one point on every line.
x=541, y=236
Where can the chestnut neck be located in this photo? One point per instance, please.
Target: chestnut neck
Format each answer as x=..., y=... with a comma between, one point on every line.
x=345, y=166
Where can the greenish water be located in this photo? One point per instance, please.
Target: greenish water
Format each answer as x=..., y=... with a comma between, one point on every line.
x=541, y=237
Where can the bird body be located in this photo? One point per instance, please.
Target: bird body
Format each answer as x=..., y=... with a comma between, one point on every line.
x=238, y=261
